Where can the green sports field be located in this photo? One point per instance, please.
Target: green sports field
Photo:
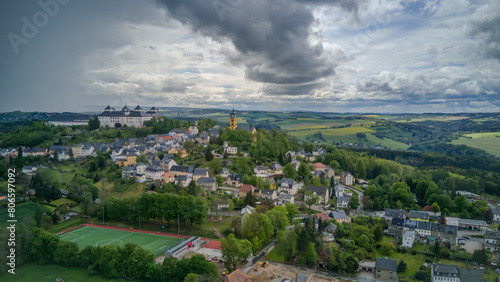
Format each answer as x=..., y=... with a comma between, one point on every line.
x=95, y=236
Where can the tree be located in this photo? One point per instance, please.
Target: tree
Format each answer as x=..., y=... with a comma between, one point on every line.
x=386, y=248
x=234, y=250
x=289, y=171
x=402, y=266
x=378, y=233
x=92, y=167
x=488, y=216
x=436, y=248
x=421, y=276
x=310, y=256
x=287, y=244
x=293, y=211
x=94, y=123
x=435, y=207
x=119, y=133
x=44, y=246
x=249, y=199
x=480, y=256
x=311, y=198
x=65, y=253
x=304, y=171
x=354, y=201
x=208, y=154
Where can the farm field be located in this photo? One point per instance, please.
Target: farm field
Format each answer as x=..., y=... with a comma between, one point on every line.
x=96, y=236
x=348, y=135
x=22, y=211
x=489, y=142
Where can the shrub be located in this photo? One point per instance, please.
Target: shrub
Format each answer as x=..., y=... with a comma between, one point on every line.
x=413, y=252
x=420, y=276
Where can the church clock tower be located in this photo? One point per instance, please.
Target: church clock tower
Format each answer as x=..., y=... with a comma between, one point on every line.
x=232, y=121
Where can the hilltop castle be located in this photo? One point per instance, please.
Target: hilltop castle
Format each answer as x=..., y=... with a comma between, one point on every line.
x=134, y=118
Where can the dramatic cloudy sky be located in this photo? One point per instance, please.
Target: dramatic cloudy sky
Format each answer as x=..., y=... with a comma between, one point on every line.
x=320, y=55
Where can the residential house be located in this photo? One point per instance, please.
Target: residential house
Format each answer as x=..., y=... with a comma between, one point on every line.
x=231, y=150
x=167, y=163
x=220, y=204
x=224, y=172
x=331, y=228
x=200, y=172
x=235, y=180
x=193, y=129
x=129, y=171
x=168, y=177
x=321, y=191
x=314, y=220
x=29, y=170
x=386, y=269
x=245, y=189
x=126, y=159
x=471, y=275
x=492, y=240
x=207, y=183
x=329, y=172
x=260, y=169
x=182, y=180
x=445, y=273
x=346, y=178
x=423, y=228
x=283, y=199
x=408, y=239
x=269, y=194
x=140, y=168
x=62, y=152
x=419, y=216
x=319, y=167
x=295, y=165
x=496, y=214
x=328, y=237
x=339, y=216
x=288, y=186
x=154, y=172
x=180, y=170
x=343, y=202
x=214, y=133
x=392, y=213
x=203, y=138
x=276, y=168
x=247, y=210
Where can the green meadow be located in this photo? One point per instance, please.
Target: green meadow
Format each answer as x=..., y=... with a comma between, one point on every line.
x=488, y=141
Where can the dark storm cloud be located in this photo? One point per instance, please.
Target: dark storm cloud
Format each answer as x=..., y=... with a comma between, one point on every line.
x=273, y=39
x=290, y=89
x=485, y=24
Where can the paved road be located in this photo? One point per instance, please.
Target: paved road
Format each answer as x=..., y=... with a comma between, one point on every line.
x=249, y=266
x=360, y=194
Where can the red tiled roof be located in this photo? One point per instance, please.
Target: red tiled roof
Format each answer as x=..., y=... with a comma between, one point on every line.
x=319, y=165
x=324, y=217
x=427, y=208
x=246, y=188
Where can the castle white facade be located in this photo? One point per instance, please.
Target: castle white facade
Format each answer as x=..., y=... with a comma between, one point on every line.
x=134, y=118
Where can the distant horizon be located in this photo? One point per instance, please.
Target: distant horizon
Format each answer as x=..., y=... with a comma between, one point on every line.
x=251, y=110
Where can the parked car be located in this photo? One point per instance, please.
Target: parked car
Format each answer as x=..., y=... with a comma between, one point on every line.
x=465, y=237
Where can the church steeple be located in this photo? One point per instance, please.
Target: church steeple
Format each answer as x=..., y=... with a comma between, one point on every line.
x=232, y=120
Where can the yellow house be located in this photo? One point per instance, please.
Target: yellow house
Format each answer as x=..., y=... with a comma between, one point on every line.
x=173, y=151
x=130, y=160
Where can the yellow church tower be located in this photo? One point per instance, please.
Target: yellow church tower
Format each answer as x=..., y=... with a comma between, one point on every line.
x=232, y=121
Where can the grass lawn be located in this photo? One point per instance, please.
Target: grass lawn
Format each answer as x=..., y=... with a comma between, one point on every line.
x=107, y=189
x=273, y=255
x=35, y=272
x=489, y=142
x=23, y=211
x=63, y=201
x=95, y=236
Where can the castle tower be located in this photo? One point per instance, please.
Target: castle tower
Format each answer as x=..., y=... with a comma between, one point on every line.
x=232, y=121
